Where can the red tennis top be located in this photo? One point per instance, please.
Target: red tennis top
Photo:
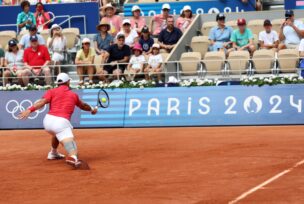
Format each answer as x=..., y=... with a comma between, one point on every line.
x=62, y=101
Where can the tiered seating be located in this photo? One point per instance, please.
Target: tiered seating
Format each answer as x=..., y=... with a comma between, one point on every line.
x=256, y=26
x=288, y=60
x=5, y=36
x=190, y=64
x=263, y=61
x=200, y=44
x=238, y=62
x=214, y=62
x=206, y=27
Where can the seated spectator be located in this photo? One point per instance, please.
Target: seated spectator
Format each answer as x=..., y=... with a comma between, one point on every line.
x=112, y=19
x=42, y=17
x=117, y=55
x=131, y=36
x=160, y=20
x=136, y=63
x=102, y=40
x=169, y=37
x=242, y=38
x=268, y=39
x=146, y=41
x=25, y=39
x=37, y=58
x=56, y=43
x=85, y=60
x=14, y=64
x=26, y=18
x=154, y=64
x=220, y=35
x=137, y=21
x=2, y=54
x=291, y=32
x=185, y=19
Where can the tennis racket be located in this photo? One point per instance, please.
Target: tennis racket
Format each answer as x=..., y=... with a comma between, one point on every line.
x=103, y=99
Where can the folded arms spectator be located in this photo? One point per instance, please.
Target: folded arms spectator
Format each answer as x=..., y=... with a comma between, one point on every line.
x=268, y=39
x=185, y=19
x=42, y=17
x=26, y=18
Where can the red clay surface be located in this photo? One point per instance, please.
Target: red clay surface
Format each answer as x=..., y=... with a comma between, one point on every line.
x=161, y=165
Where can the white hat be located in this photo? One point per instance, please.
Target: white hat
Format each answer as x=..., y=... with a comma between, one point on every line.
x=187, y=8
x=135, y=8
x=55, y=26
x=166, y=6
x=62, y=78
x=156, y=45
x=126, y=21
x=86, y=40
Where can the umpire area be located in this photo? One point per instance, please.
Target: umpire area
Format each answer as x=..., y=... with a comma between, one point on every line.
x=158, y=165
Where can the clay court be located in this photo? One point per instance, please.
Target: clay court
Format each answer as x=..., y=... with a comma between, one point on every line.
x=159, y=165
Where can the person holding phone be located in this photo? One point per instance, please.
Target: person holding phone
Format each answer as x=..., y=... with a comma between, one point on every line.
x=26, y=18
x=291, y=32
x=42, y=17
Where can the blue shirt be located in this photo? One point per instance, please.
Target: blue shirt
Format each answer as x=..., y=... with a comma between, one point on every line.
x=25, y=40
x=103, y=44
x=170, y=38
x=146, y=44
x=220, y=35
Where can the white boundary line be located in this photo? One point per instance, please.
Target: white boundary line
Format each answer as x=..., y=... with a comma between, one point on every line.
x=254, y=189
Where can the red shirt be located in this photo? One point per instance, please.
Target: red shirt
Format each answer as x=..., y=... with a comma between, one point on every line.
x=36, y=58
x=62, y=101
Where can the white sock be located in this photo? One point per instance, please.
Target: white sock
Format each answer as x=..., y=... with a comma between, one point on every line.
x=53, y=150
x=75, y=157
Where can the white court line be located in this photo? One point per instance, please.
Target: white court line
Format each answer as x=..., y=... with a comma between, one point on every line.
x=254, y=189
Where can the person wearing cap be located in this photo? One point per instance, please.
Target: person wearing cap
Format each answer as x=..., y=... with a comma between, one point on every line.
x=220, y=35
x=37, y=58
x=137, y=21
x=159, y=21
x=154, y=63
x=62, y=102
x=115, y=21
x=26, y=18
x=116, y=57
x=42, y=17
x=242, y=38
x=25, y=39
x=169, y=36
x=268, y=39
x=146, y=41
x=85, y=61
x=136, y=63
x=14, y=63
x=131, y=36
x=185, y=19
x=291, y=31
x=102, y=40
x=57, y=45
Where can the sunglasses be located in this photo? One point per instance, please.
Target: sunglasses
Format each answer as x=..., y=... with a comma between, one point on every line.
x=86, y=43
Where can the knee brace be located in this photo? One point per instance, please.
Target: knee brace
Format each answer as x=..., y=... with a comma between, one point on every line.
x=70, y=146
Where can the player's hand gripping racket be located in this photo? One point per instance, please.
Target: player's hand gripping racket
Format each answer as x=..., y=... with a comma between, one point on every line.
x=103, y=99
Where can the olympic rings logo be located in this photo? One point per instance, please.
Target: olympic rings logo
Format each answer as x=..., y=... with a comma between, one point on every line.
x=14, y=108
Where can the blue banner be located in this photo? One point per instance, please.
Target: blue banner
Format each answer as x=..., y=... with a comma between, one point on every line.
x=198, y=7
x=89, y=10
x=294, y=4
x=172, y=106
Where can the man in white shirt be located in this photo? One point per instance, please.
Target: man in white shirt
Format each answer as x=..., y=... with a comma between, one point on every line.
x=268, y=38
x=25, y=40
x=291, y=32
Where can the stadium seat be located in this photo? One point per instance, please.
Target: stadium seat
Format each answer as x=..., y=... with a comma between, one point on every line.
x=214, y=62
x=5, y=36
x=190, y=64
x=72, y=36
x=288, y=60
x=238, y=62
x=200, y=44
x=232, y=24
x=22, y=33
x=97, y=62
x=276, y=24
x=164, y=56
x=11, y=33
x=263, y=61
x=256, y=26
x=256, y=40
x=45, y=34
x=206, y=27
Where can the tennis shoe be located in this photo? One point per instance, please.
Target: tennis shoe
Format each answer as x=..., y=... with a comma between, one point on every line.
x=55, y=156
x=73, y=161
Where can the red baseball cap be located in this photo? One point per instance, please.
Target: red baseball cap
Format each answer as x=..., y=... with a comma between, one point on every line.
x=241, y=21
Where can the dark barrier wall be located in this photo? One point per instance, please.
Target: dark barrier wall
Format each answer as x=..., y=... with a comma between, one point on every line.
x=195, y=106
x=90, y=10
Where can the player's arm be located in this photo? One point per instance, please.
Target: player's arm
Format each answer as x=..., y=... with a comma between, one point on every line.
x=86, y=107
x=39, y=104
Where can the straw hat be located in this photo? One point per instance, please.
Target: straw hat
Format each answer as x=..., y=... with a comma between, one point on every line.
x=109, y=5
x=103, y=22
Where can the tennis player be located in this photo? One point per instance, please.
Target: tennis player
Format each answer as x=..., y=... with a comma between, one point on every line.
x=62, y=102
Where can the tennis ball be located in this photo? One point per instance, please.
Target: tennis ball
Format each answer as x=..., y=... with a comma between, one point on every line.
x=103, y=100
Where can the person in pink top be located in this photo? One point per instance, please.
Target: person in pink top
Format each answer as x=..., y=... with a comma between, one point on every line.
x=42, y=17
x=185, y=19
x=62, y=102
x=110, y=17
x=159, y=22
x=137, y=21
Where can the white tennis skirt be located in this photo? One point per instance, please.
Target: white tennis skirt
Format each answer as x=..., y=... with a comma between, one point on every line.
x=58, y=126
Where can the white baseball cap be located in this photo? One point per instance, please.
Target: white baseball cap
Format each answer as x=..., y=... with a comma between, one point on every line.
x=166, y=6
x=187, y=8
x=86, y=40
x=135, y=8
x=126, y=21
x=62, y=78
x=156, y=45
